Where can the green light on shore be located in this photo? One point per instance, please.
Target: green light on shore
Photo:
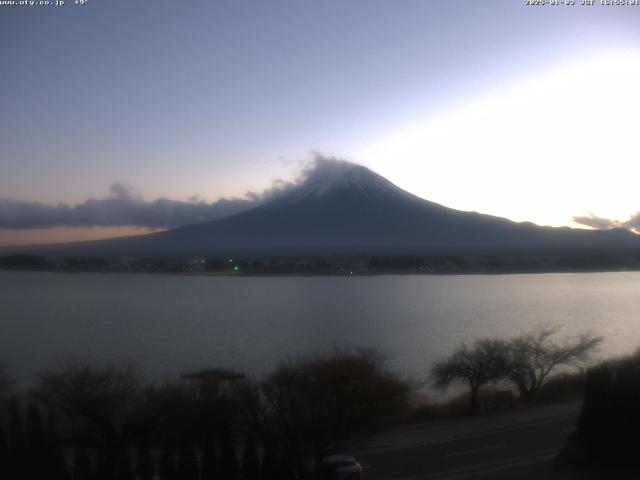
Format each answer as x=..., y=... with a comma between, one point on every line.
x=236, y=268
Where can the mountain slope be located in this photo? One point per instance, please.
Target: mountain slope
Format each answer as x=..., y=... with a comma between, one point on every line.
x=342, y=208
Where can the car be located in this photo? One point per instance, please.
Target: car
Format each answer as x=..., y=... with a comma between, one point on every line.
x=339, y=467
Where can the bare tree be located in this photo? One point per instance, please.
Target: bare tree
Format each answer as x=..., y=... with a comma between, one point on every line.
x=533, y=356
x=484, y=362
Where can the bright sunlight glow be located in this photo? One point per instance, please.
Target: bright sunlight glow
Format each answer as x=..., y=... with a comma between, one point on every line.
x=556, y=146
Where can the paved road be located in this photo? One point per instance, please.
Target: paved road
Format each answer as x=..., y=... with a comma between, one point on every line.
x=477, y=454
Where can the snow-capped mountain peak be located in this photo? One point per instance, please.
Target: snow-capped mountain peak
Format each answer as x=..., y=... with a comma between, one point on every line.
x=327, y=175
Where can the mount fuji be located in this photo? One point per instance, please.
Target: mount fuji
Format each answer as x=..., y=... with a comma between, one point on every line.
x=338, y=207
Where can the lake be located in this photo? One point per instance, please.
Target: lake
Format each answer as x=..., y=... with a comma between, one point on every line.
x=168, y=324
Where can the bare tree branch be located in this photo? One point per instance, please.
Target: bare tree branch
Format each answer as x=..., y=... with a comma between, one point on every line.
x=482, y=363
x=535, y=355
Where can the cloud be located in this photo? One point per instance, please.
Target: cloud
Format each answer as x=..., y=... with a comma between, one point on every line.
x=124, y=191
x=278, y=187
x=599, y=223
x=602, y=223
x=633, y=223
x=124, y=206
x=318, y=169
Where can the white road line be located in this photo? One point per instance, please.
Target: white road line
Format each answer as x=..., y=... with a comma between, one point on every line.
x=481, y=449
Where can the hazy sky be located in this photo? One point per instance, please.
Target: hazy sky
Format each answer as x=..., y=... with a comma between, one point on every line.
x=494, y=106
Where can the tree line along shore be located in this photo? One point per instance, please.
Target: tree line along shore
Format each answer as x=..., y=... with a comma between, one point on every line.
x=496, y=262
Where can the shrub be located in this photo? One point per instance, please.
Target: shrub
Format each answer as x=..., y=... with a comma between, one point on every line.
x=610, y=417
x=323, y=403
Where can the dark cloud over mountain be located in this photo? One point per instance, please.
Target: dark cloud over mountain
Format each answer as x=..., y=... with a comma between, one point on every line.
x=124, y=206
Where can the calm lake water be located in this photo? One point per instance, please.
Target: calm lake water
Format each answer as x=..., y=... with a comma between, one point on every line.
x=169, y=324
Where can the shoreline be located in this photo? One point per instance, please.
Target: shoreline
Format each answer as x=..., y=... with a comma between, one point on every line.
x=316, y=274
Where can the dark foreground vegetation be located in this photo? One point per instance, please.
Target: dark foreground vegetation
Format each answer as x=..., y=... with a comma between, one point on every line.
x=82, y=422
x=441, y=263
x=609, y=421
